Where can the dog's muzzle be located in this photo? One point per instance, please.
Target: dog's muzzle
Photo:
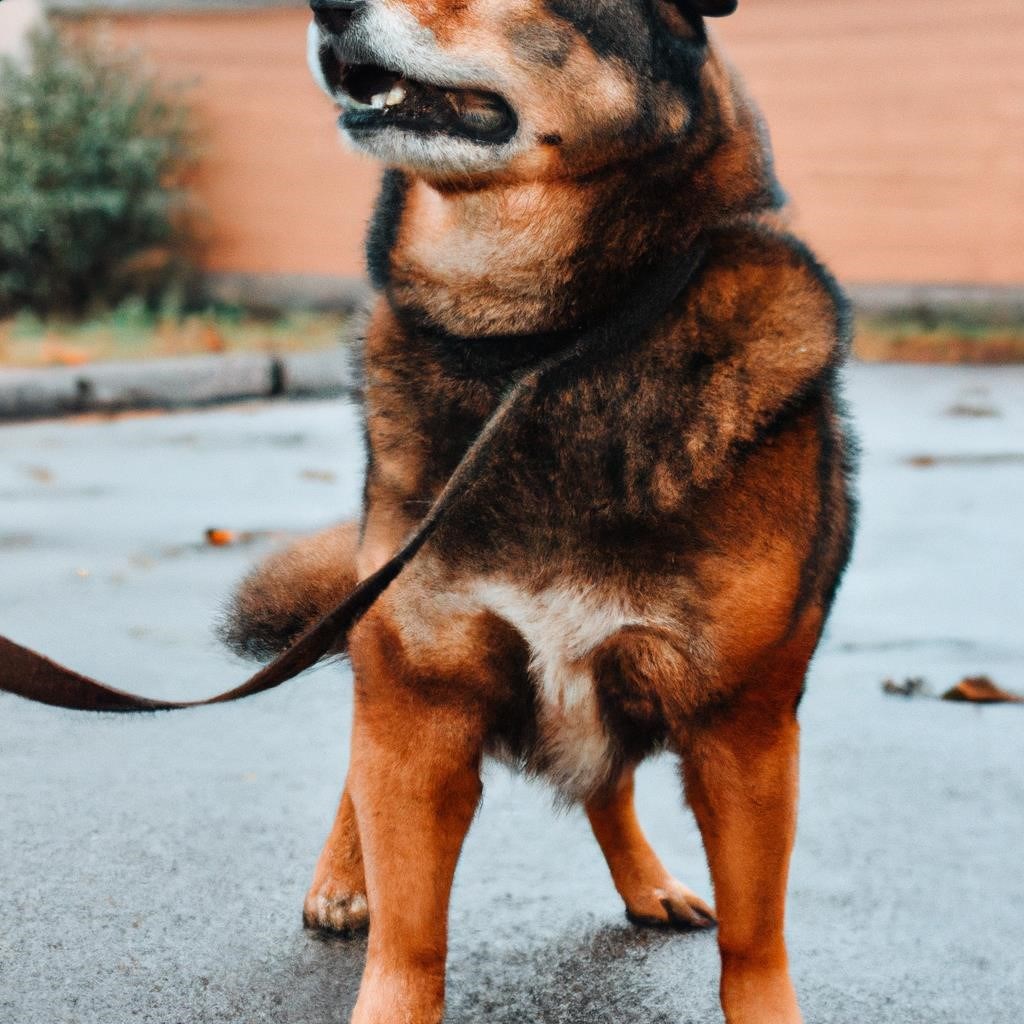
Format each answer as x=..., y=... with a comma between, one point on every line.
x=376, y=92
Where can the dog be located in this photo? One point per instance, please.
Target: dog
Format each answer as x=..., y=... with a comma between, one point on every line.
x=648, y=561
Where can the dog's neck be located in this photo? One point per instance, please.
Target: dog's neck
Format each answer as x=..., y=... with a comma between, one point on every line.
x=513, y=259
x=536, y=257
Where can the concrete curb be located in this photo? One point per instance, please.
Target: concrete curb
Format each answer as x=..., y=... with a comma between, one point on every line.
x=208, y=380
x=996, y=302
x=174, y=383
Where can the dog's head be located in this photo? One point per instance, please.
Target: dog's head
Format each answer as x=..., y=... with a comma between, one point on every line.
x=521, y=88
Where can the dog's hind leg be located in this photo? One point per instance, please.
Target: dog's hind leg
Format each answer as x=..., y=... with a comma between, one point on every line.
x=273, y=604
x=336, y=901
x=652, y=896
x=741, y=781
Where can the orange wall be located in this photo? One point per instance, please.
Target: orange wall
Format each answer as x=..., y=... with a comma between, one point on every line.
x=898, y=128
x=281, y=193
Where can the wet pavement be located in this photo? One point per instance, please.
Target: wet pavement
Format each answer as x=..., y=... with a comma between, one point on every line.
x=153, y=869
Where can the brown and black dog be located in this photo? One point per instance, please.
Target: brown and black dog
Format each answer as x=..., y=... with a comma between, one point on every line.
x=648, y=561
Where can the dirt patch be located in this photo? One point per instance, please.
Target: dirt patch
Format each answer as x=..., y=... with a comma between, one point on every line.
x=134, y=332
x=988, y=459
x=966, y=410
x=16, y=541
x=881, y=347
x=322, y=476
x=974, y=335
x=39, y=474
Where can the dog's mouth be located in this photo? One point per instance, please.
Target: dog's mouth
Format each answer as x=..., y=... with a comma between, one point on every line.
x=375, y=98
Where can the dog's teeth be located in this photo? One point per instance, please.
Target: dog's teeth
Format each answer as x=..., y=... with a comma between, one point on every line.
x=378, y=101
x=395, y=97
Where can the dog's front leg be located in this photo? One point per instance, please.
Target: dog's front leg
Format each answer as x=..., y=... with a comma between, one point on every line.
x=415, y=784
x=741, y=780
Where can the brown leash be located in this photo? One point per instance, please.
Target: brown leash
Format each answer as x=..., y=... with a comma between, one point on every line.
x=34, y=676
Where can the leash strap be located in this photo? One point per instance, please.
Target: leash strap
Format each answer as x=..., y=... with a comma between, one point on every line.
x=31, y=675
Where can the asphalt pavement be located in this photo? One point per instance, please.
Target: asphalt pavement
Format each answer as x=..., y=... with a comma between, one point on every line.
x=152, y=869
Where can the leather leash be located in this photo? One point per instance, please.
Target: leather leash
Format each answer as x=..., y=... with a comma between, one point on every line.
x=31, y=675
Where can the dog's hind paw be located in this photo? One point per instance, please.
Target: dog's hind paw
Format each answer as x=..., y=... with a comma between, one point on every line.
x=341, y=913
x=671, y=906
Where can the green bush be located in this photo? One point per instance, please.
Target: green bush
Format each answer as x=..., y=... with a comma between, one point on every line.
x=94, y=158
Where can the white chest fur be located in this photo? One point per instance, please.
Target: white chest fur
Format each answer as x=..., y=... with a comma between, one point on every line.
x=561, y=627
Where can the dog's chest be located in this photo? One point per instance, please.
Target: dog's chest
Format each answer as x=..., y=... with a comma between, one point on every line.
x=481, y=270
x=562, y=626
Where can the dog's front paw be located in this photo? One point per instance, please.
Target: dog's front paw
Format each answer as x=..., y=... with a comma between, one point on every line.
x=670, y=905
x=328, y=909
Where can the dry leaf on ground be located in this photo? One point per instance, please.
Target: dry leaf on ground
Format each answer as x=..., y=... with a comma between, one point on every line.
x=981, y=690
x=915, y=686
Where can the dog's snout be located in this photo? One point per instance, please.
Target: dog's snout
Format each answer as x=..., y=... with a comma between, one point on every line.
x=334, y=16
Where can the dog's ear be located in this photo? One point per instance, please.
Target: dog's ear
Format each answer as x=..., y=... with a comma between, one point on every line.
x=711, y=8
x=685, y=18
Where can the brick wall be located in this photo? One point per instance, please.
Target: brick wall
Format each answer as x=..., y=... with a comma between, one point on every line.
x=898, y=128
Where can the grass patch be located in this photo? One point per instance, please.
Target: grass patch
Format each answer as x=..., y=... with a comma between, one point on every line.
x=133, y=331
x=978, y=336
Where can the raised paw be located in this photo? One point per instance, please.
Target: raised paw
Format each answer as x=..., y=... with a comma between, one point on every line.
x=329, y=910
x=670, y=905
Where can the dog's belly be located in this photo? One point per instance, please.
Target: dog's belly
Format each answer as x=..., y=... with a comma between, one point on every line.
x=562, y=626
